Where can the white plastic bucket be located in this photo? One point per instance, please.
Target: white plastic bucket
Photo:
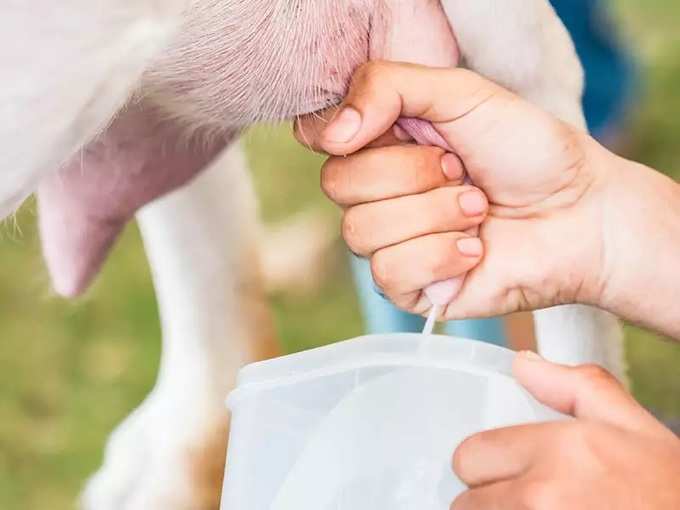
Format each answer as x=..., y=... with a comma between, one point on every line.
x=366, y=424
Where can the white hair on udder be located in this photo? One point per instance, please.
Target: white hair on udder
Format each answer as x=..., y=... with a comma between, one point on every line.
x=237, y=62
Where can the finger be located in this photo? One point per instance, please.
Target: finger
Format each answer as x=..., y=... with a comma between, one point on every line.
x=407, y=268
x=498, y=496
x=370, y=227
x=382, y=92
x=309, y=128
x=501, y=454
x=522, y=494
x=588, y=392
x=389, y=172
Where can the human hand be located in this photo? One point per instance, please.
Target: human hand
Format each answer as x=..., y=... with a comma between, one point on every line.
x=613, y=455
x=405, y=206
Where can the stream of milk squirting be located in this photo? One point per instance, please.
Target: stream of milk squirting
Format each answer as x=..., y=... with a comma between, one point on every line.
x=431, y=320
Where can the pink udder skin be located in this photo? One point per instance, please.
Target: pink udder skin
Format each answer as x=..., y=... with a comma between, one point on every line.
x=84, y=207
x=202, y=82
x=418, y=32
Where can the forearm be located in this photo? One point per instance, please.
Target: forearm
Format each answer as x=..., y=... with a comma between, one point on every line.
x=641, y=240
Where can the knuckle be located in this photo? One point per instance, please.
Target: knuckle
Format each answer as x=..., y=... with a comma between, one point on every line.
x=595, y=375
x=351, y=231
x=468, y=453
x=331, y=180
x=461, y=455
x=458, y=461
x=380, y=268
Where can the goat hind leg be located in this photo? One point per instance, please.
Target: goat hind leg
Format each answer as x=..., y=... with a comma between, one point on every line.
x=201, y=244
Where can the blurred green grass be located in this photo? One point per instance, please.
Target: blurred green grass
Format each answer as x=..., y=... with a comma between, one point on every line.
x=651, y=26
x=69, y=372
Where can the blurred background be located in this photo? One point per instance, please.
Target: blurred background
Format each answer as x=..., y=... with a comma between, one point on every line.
x=69, y=372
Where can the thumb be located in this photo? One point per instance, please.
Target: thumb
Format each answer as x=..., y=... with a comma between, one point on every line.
x=382, y=92
x=588, y=392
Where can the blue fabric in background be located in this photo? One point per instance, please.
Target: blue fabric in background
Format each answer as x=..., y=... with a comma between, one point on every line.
x=609, y=68
x=610, y=77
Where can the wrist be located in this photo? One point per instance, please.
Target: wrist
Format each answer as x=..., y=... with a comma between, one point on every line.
x=582, y=245
x=638, y=277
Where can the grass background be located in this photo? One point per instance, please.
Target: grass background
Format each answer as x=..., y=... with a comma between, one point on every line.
x=69, y=372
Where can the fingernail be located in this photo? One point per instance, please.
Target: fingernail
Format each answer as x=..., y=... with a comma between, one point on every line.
x=470, y=246
x=530, y=356
x=472, y=203
x=452, y=167
x=344, y=127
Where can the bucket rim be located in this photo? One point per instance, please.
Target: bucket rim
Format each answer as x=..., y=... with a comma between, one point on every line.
x=369, y=351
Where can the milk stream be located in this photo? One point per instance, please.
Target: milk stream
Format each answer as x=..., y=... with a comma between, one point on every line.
x=431, y=320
